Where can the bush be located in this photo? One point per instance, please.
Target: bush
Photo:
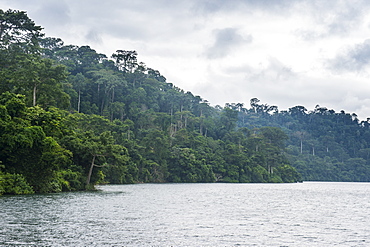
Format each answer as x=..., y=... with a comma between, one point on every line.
x=69, y=180
x=14, y=184
x=289, y=174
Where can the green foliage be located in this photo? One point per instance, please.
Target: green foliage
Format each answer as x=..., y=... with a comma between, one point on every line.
x=25, y=148
x=322, y=145
x=288, y=174
x=124, y=124
x=14, y=184
x=18, y=29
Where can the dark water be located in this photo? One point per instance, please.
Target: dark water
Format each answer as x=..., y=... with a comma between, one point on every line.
x=306, y=214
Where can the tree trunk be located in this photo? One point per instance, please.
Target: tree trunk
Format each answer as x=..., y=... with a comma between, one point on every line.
x=79, y=101
x=90, y=171
x=102, y=105
x=34, y=94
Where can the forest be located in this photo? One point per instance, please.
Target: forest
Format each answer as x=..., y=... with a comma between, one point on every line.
x=71, y=118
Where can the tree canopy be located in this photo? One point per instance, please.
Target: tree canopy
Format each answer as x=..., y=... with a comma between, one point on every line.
x=71, y=118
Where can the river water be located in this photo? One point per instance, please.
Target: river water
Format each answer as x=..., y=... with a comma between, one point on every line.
x=302, y=214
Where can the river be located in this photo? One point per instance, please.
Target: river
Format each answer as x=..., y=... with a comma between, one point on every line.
x=301, y=214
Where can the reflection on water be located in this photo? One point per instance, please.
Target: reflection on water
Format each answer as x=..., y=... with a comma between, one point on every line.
x=305, y=214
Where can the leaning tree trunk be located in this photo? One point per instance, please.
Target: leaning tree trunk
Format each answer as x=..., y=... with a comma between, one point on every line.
x=90, y=171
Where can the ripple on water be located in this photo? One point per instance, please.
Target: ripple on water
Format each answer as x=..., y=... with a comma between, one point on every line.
x=308, y=214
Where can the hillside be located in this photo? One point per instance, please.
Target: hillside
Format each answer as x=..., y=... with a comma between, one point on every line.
x=71, y=118
x=323, y=145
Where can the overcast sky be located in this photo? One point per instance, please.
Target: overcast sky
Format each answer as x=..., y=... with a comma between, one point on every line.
x=285, y=53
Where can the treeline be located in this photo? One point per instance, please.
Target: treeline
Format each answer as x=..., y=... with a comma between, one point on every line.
x=71, y=118
x=323, y=145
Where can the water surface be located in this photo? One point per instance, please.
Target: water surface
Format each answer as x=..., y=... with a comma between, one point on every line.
x=302, y=214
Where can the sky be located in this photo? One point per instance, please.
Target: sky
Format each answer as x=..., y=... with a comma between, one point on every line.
x=285, y=53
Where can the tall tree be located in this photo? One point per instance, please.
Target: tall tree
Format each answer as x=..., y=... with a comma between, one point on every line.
x=35, y=76
x=125, y=60
x=16, y=28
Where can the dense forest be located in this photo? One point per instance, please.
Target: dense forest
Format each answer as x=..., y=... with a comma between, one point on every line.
x=71, y=118
x=323, y=145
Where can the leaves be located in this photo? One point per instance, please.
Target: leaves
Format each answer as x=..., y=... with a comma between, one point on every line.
x=17, y=28
x=87, y=119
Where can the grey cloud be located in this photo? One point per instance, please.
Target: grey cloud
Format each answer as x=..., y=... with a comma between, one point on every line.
x=225, y=41
x=94, y=37
x=327, y=17
x=209, y=6
x=213, y=6
x=274, y=71
x=274, y=81
x=346, y=16
x=19, y=4
x=271, y=5
x=53, y=14
x=135, y=20
x=331, y=18
x=354, y=59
